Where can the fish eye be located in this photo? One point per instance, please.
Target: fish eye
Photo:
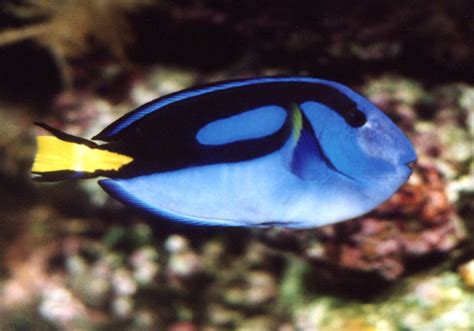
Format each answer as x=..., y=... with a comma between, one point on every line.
x=356, y=118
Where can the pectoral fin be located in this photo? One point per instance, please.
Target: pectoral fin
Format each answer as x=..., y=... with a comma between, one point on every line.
x=305, y=158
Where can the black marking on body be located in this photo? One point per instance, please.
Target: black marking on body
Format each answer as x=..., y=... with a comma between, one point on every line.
x=165, y=140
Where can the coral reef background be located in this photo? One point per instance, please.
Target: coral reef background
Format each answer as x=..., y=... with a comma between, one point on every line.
x=72, y=258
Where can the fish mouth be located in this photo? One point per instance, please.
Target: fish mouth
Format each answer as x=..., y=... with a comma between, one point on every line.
x=411, y=164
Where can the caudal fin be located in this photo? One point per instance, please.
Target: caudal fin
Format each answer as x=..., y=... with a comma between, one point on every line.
x=64, y=156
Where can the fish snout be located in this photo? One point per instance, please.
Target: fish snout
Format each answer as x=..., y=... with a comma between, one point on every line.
x=409, y=158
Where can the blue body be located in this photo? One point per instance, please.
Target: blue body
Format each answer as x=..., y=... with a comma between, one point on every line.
x=281, y=151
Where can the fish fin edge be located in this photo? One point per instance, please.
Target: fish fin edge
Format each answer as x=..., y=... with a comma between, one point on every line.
x=117, y=191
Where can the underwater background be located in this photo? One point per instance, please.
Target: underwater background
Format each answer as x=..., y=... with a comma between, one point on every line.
x=72, y=258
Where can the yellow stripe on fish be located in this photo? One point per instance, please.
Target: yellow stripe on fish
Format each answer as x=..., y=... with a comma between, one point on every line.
x=297, y=120
x=57, y=155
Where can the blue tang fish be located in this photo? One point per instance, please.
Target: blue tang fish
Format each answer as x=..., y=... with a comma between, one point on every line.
x=295, y=152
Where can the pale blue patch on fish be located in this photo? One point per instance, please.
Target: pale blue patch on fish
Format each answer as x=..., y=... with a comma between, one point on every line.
x=252, y=124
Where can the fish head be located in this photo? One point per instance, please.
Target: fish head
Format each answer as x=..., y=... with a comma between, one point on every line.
x=365, y=145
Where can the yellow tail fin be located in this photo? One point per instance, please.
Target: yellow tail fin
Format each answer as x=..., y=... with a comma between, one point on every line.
x=55, y=154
